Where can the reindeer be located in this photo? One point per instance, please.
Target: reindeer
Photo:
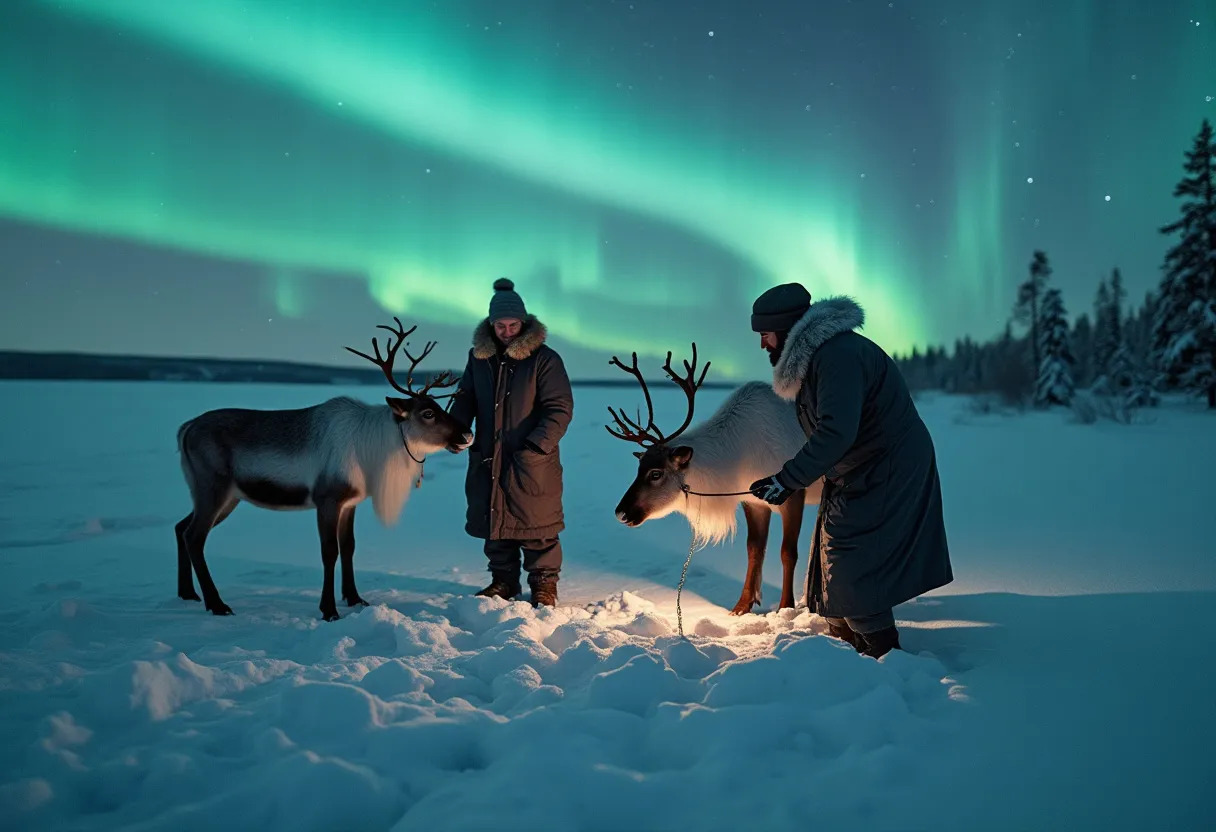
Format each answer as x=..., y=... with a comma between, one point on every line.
x=706, y=475
x=329, y=457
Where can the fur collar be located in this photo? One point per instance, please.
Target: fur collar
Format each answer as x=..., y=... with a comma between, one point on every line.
x=531, y=337
x=825, y=318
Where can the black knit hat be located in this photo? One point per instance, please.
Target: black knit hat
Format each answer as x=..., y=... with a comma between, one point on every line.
x=505, y=302
x=779, y=308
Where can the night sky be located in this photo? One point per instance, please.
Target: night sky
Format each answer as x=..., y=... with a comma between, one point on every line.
x=273, y=178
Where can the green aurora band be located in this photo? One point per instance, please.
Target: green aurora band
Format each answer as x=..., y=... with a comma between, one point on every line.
x=466, y=158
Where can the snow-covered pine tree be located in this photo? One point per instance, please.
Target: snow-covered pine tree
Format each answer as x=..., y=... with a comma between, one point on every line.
x=1030, y=294
x=1055, y=383
x=1114, y=310
x=1184, y=330
x=1139, y=329
x=1138, y=335
x=1127, y=381
x=1104, y=340
x=1083, y=350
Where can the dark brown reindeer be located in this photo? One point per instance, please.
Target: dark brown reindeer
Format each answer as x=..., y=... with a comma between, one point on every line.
x=750, y=436
x=329, y=457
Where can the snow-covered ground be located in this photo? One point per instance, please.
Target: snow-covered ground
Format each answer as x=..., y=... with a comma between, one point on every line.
x=1062, y=682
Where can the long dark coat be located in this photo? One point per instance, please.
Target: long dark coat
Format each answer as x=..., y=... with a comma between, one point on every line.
x=520, y=404
x=880, y=538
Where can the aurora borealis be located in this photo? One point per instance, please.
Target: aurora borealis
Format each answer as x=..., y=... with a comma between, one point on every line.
x=289, y=173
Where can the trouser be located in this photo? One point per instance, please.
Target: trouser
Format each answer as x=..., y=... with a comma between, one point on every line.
x=541, y=557
x=866, y=623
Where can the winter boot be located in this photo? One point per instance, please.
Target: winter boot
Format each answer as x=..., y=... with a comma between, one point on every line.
x=845, y=634
x=880, y=643
x=502, y=586
x=544, y=590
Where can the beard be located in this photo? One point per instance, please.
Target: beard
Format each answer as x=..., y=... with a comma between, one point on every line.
x=774, y=354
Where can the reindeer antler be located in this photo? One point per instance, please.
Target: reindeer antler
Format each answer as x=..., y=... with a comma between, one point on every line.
x=686, y=384
x=439, y=382
x=632, y=430
x=385, y=362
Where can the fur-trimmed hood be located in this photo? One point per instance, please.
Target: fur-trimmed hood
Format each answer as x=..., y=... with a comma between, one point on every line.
x=825, y=318
x=531, y=338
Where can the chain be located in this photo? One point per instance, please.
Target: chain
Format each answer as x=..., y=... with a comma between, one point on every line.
x=692, y=547
x=680, y=588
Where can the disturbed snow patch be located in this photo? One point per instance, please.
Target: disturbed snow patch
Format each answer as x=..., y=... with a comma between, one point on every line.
x=428, y=714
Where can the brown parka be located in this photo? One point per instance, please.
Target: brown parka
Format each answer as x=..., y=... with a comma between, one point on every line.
x=519, y=401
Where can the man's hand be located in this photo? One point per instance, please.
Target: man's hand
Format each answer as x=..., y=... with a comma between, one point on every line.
x=771, y=490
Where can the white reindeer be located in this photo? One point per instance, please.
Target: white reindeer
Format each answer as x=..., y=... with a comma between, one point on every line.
x=327, y=457
x=706, y=475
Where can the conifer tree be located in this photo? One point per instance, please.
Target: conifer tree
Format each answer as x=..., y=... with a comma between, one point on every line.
x=1114, y=311
x=1184, y=328
x=1055, y=382
x=1138, y=335
x=1082, y=347
x=1030, y=294
x=1104, y=339
x=1127, y=380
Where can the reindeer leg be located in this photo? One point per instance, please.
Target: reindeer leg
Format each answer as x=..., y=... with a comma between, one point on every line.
x=346, y=547
x=185, y=578
x=757, y=539
x=210, y=507
x=329, y=512
x=791, y=526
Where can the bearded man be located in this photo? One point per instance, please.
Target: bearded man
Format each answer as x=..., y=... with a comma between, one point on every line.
x=880, y=537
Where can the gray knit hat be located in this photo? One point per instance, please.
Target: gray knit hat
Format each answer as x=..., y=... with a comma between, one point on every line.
x=506, y=303
x=779, y=308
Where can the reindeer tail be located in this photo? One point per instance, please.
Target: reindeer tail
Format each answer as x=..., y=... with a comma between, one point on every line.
x=181, y=434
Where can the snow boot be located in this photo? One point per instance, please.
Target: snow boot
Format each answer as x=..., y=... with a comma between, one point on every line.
x=544, y=591
x=845, y=634
x=502, y=586
x=880, y=643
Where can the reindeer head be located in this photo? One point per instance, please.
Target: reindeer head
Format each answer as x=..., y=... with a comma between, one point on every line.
x=425, y=424
x=659, y=484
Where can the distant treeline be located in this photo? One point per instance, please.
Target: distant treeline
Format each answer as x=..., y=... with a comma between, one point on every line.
x=1125, y=354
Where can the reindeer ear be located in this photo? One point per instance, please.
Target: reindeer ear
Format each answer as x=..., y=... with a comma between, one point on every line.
x=401, y=407
x=639, y=454
x=680, y=456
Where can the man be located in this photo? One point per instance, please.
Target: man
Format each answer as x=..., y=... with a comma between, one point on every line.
x=880, y=538
x=516, y=392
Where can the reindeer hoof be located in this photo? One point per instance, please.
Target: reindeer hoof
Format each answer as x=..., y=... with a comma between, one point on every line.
x=330, y=615
x=189, y=595
x=743, y=608
x=356, y=601
x=220, y=608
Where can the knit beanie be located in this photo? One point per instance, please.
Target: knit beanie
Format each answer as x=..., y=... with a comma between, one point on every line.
x=506, y=303
x=779, y=308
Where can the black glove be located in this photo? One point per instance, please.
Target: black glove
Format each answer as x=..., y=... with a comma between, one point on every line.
x=771, y=490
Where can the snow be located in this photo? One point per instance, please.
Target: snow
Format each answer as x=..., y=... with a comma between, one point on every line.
x=1063, y=680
